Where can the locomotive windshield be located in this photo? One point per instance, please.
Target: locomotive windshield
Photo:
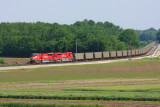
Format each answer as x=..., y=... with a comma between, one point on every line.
x=34, y=54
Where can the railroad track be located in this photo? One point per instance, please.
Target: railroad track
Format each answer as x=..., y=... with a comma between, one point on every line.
x=157, y=52
x=153, y=50
x=151, y=53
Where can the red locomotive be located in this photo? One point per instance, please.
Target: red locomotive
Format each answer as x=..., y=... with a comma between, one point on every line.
x=51, y=57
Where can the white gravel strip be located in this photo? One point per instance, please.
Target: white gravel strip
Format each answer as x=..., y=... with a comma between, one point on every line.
x=77, y=63
x=157, y=52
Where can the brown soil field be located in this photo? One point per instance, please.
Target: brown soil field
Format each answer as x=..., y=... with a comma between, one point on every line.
x=104, y=103
x=15, y=60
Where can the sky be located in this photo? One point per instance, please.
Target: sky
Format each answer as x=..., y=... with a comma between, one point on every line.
x=134, y=14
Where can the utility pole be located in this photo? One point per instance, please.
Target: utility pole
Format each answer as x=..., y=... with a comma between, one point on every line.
x=76, y=45
x=130, y=50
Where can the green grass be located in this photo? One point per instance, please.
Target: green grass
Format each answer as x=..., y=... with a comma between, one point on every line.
x=21, y=104
x=147, y=87
x=145, y=68
x=130, y=92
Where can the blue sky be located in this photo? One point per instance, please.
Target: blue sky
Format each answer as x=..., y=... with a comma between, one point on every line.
x=136, y=14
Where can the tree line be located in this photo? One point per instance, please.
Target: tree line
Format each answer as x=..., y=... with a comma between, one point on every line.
x=148, y=34
x=20, y=39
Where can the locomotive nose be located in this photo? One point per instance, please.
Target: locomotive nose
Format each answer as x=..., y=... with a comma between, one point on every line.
x=33, y=57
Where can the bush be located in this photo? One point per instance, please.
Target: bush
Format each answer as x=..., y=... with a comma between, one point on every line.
x=28, y=62
x=2, y=61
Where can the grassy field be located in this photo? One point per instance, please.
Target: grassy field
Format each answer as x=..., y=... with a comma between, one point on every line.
x=23, y=104
x=134, y=80
x=146, y=68
x=128, y=92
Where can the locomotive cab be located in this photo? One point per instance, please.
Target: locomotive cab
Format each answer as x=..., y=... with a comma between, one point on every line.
x=33, y=58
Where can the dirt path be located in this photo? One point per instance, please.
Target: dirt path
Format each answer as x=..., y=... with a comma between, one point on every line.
x=106, y=104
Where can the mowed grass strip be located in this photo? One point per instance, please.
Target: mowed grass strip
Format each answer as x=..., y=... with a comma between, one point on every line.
x=147, y=87
x=143, y=68
x=132, y=92
x=84, y=103
x=25, y=104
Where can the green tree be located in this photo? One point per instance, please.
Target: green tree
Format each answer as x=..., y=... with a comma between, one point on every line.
x=129, y=35
x=91, y=22
x=1, y=44
x=21, y=39
x=158, y=36
x=146, y=35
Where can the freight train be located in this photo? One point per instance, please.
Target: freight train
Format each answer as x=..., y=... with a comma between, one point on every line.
x=69, y=57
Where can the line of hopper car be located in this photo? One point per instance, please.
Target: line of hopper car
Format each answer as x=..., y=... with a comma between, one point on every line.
x=69, y=57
